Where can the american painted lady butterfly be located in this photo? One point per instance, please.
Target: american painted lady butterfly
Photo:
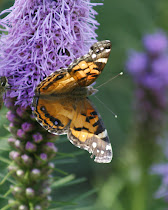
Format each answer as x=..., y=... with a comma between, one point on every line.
x=61, y=103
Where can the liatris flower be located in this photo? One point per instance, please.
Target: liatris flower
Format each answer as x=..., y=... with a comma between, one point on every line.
x=149, y=71
x=31, y=159
x=43, y=36
x=40, y=37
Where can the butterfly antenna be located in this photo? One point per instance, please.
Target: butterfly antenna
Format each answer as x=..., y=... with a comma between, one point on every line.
x=106, y=106
x=120, y=74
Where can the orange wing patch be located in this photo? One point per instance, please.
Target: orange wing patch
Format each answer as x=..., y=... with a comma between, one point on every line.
x=85, y=73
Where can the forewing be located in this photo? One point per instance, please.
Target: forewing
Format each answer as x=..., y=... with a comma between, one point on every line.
x=81, y=72
x=59, y=82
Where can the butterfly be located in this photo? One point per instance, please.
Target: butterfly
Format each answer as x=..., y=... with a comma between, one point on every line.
x=61, y=104
x=3, y=87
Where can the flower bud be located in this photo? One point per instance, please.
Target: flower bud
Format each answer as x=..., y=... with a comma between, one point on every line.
x=26, y=160
x=30, y=147
x=30, y=192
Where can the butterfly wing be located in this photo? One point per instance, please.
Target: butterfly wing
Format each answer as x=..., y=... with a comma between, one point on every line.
x=53, y=113
x=77, y=118
x=80, y=73
x=87, y=132
x=59, y=82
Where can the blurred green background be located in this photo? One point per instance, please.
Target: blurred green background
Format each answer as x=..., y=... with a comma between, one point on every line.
x=124, y=22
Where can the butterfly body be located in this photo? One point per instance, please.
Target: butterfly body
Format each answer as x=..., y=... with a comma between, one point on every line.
x=61, y=104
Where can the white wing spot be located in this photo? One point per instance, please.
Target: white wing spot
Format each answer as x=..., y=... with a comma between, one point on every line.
x=103, y=134
x=102, y=152
x=102, y=60
x=108, y=147
x=108, y=50
x=94, y=144
x=93, y=56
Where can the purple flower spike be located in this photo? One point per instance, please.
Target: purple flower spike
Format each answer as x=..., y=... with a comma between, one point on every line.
x=37, y=137
x=150, y=74
x=27, y=127
x=156, y=43
x=41, y=37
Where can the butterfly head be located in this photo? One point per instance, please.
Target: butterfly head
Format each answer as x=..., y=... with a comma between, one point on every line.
x=91, y=91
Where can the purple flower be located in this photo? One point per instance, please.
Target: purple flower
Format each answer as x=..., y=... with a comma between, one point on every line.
x=136, y=63
x=160, y=68
x=40, y=37
x=20, y=133
x=51, y=146
x=30, y=147
x=35, y=173
x=14, y=155
x=20, y=111
x=30, y=192
x=27, y=126
x=10, y=116
x=43, y=156
x=155, y=43
x=8, y=103
x=37, y=137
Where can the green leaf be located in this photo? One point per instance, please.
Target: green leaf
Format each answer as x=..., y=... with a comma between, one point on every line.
x=63, y=181
x=85, y=195
x=65, y=161
x=62, y=204
x=6, y=177
x=5, y=160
